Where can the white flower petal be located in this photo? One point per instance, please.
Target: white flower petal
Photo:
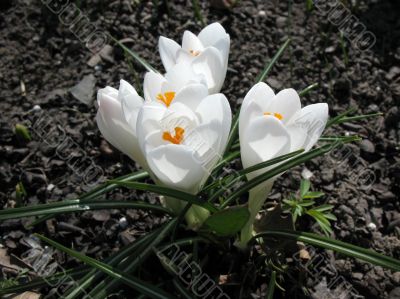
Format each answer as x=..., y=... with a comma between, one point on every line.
x=191, y=95
x=179, y=76
x=255, y=103
x=149, y=120
x=216, y=108
x=205, y=141
x=310, y=122
x=265, y=138
x=214, y=35
x=131, y=103
x=152, y=85
x=175, y=166
x=168, y=51
x=191, y=42
x=286, y=102
x=107, y=92
x=210, y=65
x=115, y=129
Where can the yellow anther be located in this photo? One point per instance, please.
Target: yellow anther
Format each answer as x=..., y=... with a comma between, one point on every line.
x=194, y=53
x=277, y=115
x=177, y=139
x=166, y=98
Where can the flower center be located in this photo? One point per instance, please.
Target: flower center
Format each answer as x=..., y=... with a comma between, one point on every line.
x=166, y=98
x=194, y=53
x=276, y=114
x=177, y=139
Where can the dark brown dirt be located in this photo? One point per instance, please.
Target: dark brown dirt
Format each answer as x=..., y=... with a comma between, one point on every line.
x=41, y=60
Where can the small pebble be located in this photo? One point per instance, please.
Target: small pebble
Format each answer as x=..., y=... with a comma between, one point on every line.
x=306, y=173
x=37, y=108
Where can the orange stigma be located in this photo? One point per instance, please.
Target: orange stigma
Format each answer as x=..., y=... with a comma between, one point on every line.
x=194, y=53
x=177, y=139
x=277, y=115
x=166, y=98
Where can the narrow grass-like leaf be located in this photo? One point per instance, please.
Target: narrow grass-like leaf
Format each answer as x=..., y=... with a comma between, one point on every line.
x=193, y=199
x=233, y=133
x=357, y=117
x=76, y=205
x=135, y=56
x=228, y=182
x=48, y=280
x=334, y=120
x=271, y=286
x=108, y=186
x=308, y=89
x=139, y=285
x=269, y=66
x=338, y=246
x=197, y=12
x=98, y=191
x=94, y=274
x=279, y=169
x=105, y=287
x=182, y=290
x=215, y=172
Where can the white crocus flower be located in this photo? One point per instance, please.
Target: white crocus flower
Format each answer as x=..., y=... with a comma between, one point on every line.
x=178, y=133
x=207, y=53
x=180, y=85
x=272, y=125
x=116, y=119
x=182, y=143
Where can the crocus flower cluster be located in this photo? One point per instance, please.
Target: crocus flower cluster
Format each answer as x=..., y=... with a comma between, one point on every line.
x=179, y=130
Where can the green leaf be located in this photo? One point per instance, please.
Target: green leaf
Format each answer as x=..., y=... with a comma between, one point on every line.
x=338, y=246
x=106, y=287
x=269, y=66
x=197, y=12
x=141, y=286
x=98, y=191
x=22, y=132
x=227, y=222
x=304, y=187
x=278, y=170
x=336, y=119
x=313, y=194
x=324, y=208
x=40, y=282
x=94, y=274
x=308, y=89
x=193, y=199
x=229, y=181
x=76, y=205
x=306, y=203
x=271, y=286
x=135, y=56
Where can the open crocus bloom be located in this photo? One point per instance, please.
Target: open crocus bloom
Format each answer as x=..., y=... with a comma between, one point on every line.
x=177, y=138
x=182, y=143
x=207, y=53
x=116, y=119
x=180, y=85
x=272, y=125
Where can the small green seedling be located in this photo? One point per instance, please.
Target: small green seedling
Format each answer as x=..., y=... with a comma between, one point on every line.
x=22, y=132
x=304, y=204
x=20, y=193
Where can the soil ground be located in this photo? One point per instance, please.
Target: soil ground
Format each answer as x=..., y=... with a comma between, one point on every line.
x=41, y=60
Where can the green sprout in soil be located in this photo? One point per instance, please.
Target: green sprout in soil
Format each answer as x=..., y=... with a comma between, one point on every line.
x=304, y=204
